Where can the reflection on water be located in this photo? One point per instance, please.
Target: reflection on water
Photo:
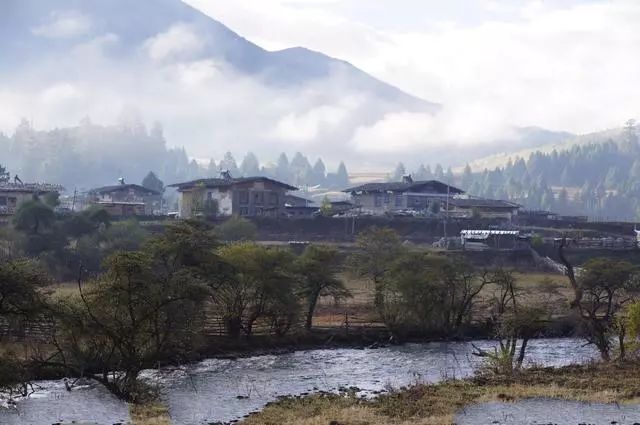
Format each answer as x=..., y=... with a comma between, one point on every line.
x=221, y=390
x=549, y=411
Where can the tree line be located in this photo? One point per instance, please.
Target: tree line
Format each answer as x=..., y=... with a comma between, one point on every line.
x=91, y=155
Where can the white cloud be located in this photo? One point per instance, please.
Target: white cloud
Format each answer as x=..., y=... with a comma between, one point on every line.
x=64, y=24
x=307, y=126
x=179, y=41
x=568, y=64
x=60, y=93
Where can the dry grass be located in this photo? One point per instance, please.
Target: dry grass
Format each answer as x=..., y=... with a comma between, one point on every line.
x=149, y=414
x=537, y=288
x=438, y=404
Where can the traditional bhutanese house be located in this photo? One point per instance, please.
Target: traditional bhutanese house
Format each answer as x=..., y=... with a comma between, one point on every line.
x=299, y=207
x=12, y=195
x=340, y=207
x=485, y=208
x=383, y=198
x=124, y=200
x=244, y=196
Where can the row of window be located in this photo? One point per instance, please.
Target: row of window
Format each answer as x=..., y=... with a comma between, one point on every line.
x=386, y=198
x=259, y=198
x=8, y=201
x=244, y=211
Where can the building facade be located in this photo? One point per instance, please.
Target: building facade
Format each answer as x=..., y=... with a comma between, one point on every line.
x=245, y=196
x=125, y=200
x=385, y=198
x=12, y=195
x=486, y=208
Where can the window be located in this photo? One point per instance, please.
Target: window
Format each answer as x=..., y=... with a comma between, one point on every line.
x=259, y=211
x=243, y=198
x=12, y=202
x=273, y=198
x=386, y=198
x=378, y=200
x=258, y=198
x=398, y=200
x=244, y=211
x=3, y=201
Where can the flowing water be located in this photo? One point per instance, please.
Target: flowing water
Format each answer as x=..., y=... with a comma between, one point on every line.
x=222, y=390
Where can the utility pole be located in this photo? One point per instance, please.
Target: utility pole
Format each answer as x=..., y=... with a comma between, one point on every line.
x=73, y=203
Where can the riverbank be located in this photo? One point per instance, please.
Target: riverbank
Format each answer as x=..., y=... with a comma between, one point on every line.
x=438, y=404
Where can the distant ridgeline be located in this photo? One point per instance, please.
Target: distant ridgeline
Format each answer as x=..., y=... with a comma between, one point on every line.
x=92, y=155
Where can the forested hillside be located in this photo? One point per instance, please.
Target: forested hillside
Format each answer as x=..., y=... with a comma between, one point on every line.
x=600, y=179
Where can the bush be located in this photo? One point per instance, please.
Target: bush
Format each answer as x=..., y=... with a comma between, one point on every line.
x=237, y=229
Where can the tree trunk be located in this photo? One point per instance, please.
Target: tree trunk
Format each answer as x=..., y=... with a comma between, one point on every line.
x=521, y=353
x=313, y=301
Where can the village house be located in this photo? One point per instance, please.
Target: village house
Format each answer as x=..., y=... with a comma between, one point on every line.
x=420, y=196
x=125, y=200
x=299, y=207
x=243, y=196
x=468, y=207
x=390, y=197
x=12, y=195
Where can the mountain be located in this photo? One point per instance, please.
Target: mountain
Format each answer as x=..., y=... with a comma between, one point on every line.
x=33, y=29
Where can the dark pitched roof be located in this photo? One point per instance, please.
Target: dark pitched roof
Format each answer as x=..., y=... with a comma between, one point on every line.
x=123, y=187
x=298, y=200
x=481, y=203
x=30, y=187
x=404, y=187
x=212, y=183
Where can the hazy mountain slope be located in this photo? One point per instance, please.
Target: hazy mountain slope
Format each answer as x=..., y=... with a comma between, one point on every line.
x=560, y=144
x=32, y=29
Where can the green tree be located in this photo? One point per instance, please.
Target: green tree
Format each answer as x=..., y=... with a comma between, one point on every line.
x=152, y=182
x=317, y=269
x=342, y=176
x=143, y=309
x=22, y=298
x=377, y=250
x=261, y=285
x=601, y=289
x=250, y=165
x=33, y=216
x=398, y=172
x=467, y=177
x=326, y=208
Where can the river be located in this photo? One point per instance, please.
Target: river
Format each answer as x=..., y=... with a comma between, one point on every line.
x=221, y=390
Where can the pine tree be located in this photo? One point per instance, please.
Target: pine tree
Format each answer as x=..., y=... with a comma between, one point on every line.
x=212, y=169
x=229, y=164
x=439, y=173
x=342, y=176
x=399, y=172
x=283, y=173
x=319, y=173
x=250, y=165
x=467, y=178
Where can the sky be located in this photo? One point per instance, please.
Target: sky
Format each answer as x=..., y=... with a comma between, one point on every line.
x=493, y=65
x=563, y=64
